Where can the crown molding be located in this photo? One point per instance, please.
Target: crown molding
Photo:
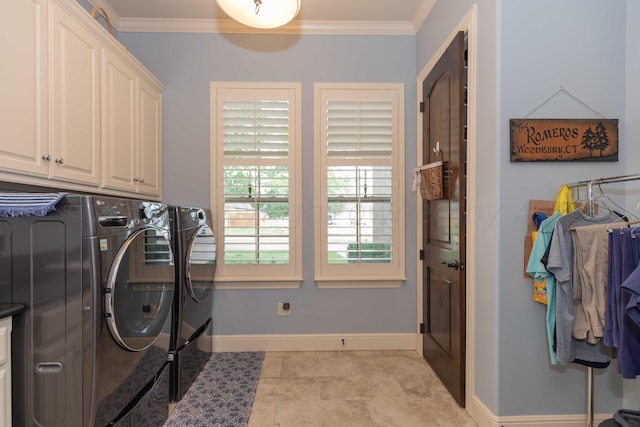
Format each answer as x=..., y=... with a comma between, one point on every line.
x=231, y=26
x=152, y=25
x=422, y=13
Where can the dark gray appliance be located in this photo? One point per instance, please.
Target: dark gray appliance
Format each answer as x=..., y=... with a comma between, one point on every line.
x=195, y=251
x=97, y=279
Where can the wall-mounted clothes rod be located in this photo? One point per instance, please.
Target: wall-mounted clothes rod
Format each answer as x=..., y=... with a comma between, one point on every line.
x=609, y=180
x=598, y=181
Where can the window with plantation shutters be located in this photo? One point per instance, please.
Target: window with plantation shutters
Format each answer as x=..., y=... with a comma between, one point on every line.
x=359, y=185
x=255, y=141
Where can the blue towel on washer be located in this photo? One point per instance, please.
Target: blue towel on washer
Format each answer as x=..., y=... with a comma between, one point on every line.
x=28, y=204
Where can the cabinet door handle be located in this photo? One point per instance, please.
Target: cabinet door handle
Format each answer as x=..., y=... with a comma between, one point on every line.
x=60, y=161
x=46, y=157
x=141, y=180
x=49, y=367
x=136, y=179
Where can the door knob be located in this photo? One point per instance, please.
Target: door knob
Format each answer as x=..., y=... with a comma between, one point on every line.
x=455, y=265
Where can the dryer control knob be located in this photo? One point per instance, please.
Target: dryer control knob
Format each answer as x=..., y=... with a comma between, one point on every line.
x=142, y=213
x=201, y=215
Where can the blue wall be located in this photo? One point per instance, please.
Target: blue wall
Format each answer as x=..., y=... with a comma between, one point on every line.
x=186, y=64
x=579, y=45
x=526, y=52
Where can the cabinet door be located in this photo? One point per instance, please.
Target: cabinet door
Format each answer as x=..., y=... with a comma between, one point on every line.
x=76, y=100
x=150, y=139
x=23, y=102
x=120, y=139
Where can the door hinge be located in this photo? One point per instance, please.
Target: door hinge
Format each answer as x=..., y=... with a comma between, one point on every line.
x=422, y=107
x=422, y=328
x=421, y=254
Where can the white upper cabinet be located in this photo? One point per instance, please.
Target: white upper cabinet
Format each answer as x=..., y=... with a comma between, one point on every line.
x=132, y=142
x=120, y=139
x=77, y=110
x=150, y=111
x=75, y=145
x=23, y=92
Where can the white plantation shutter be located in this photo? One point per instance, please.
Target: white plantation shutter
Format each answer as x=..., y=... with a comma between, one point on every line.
x=359, y=201
x=359, y=149
x=256, y=128
x=256, y=223
x=255, y=141
x=256, y=181
x=359, y=129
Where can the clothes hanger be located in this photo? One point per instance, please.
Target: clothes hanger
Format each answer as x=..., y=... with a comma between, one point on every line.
x=607, y=201
x=582, y=204
x=626, y=222
x=578, y=199
x=602, y=201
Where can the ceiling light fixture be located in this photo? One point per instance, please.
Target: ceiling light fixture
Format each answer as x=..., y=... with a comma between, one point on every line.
x=261, y=13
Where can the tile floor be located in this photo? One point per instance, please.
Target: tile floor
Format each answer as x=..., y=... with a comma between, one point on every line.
x=358, y=388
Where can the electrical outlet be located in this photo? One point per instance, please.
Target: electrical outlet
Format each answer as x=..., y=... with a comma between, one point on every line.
x=284, y=309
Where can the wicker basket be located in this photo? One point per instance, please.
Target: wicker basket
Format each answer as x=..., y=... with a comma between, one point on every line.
x=97, y=9
x=96, y=12
x=434, y=182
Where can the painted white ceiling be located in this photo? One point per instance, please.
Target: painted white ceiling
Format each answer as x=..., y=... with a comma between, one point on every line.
x=315, y=16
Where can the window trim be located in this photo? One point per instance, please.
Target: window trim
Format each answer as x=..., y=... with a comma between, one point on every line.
x=359, y=275
x=259, y=276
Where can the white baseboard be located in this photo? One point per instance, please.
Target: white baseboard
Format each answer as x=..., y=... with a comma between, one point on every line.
x=309, y=342
x=485, y=418
x=481, y=414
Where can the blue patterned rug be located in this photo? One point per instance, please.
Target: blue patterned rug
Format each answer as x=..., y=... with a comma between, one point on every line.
x=222, y=394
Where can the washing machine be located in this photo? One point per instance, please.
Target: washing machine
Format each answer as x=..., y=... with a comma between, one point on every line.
x=97, y=279
x=194, y=246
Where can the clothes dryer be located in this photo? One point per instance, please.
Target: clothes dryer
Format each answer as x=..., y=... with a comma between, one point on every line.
x=195, y=248
x=97, y=278
x=138, y=281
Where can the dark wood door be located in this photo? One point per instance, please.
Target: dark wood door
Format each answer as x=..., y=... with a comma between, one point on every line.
x=443, y=221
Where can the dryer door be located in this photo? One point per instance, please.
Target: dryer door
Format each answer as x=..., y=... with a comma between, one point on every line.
x=201, y=264
x=139, y=289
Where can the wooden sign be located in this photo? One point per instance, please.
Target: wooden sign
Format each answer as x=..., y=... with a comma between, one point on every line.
x=564, y=140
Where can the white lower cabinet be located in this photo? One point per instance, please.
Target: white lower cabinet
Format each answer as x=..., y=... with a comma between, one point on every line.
x=5, y=372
